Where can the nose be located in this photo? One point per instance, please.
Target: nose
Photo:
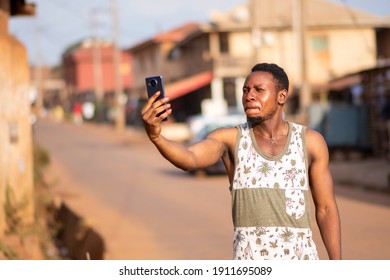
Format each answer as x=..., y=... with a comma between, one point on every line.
x=250, y=95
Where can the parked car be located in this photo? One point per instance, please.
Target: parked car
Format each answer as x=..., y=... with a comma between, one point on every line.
x=225, y=121
x=197, y=122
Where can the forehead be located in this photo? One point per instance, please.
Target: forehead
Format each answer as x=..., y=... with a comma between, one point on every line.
x=259, y=77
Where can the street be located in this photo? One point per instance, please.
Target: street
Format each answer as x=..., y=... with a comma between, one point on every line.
x=146, y=208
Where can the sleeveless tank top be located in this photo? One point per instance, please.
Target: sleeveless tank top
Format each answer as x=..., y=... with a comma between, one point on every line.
x=271, y=199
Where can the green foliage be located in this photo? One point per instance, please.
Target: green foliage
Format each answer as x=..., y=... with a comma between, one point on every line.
x=41, y=159
x=13, y=210
x=44, y=228
x=8, y=252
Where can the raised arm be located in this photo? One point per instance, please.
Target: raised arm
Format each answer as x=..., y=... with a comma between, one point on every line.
x=321, y=184
x=199, y=155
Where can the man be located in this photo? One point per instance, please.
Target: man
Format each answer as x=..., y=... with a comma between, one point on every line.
x=272, y=166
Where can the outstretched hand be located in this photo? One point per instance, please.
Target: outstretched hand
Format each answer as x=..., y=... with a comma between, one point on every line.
x=153, y=113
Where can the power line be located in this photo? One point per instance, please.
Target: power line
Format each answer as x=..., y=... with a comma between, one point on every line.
x=356, y=24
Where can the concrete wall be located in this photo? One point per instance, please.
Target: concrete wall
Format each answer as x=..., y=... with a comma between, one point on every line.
x=348, y=50
x=16, y=164
x=352, y=50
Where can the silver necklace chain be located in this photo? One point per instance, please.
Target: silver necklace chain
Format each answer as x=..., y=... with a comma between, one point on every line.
x=274, y=140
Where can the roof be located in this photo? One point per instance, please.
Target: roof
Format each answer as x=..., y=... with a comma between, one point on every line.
x=177, y=34
x=355, y=78
x=278, y=13
x=86, y=43
x=345, y=82
x=174, y=35
x=21, y=8
x=187, y=85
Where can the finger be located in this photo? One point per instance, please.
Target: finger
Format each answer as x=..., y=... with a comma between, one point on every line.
x=167, y=113
x=161, y=103
x=152, y=114
x=150, y=101
x=160, y=109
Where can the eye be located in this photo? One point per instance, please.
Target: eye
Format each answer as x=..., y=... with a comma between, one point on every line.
x=259, y=89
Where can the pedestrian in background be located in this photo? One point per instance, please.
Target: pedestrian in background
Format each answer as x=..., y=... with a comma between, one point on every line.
x=77, y=113
x=273, y=166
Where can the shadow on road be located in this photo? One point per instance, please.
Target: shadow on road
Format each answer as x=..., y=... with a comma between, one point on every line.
x=75, y=239
x=194, y=174
x=373, y=196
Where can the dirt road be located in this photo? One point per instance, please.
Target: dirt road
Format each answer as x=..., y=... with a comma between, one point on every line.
x=146, y=209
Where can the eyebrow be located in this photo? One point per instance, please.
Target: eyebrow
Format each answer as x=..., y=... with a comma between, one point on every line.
x=255, y=85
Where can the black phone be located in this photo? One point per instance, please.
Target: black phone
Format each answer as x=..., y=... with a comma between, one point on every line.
x=153, y=85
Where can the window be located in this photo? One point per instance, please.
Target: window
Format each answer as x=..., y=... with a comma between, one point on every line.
x=319, y=43
x=223, y=42
x=229, y=89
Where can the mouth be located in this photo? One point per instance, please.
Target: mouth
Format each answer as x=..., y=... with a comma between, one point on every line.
x=252, y=109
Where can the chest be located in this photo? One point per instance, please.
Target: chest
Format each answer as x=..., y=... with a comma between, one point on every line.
x=261, y=163
x=271, y=147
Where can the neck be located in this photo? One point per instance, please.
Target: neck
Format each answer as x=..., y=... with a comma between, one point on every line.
x=271, y=131
x=271, y=143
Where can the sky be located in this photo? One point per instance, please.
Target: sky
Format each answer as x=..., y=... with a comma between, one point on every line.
x=61, y=23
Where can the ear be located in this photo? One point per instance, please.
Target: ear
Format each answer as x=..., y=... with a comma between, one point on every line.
x=282, y=96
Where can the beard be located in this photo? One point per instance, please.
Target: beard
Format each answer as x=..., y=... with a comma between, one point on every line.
x=255, y=120
x=259, y=119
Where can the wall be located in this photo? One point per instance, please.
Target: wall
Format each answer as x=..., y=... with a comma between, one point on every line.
x=79, y=69
x=349, y=50
x=16, y=170
x=352, y=50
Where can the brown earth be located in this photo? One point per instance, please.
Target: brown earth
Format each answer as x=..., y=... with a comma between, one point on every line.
x=67, y=194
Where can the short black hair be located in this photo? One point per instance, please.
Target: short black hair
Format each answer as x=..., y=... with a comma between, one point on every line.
x=276, y=71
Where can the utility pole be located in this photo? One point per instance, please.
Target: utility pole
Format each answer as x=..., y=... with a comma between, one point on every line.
x=299, y=26
x=38, y=74
x=255, y=15
x=119, y=108
x=97, y=60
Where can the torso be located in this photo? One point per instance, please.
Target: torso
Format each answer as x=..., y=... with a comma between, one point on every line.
x=270, y=197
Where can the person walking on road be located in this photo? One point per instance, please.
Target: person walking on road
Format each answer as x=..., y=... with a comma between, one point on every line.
x=272, y=166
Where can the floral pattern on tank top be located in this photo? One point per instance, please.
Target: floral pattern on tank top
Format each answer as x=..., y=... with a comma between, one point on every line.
x=276, y=187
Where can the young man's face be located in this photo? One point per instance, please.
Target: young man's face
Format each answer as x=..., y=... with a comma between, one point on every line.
x=260, y=96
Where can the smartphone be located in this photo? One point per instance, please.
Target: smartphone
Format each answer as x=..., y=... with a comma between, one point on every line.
x=153, y=85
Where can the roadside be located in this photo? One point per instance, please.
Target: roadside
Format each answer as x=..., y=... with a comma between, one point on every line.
x=89, y=227
x=34, y=240
x=365, y=173
x=368, y=173
x=82, y=213
x=86, y=235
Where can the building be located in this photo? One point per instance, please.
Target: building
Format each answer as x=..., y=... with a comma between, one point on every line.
x=155, y=56
x=332, y=41
x=16, y=162
x=89, y=73
x=47, y=87
x=359, y=110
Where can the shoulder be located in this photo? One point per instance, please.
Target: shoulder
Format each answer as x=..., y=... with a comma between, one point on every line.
x=316, y=145
x=314, y=138
x=223, y=133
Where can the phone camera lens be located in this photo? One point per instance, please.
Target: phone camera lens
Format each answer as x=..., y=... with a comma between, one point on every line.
x=153, y=83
